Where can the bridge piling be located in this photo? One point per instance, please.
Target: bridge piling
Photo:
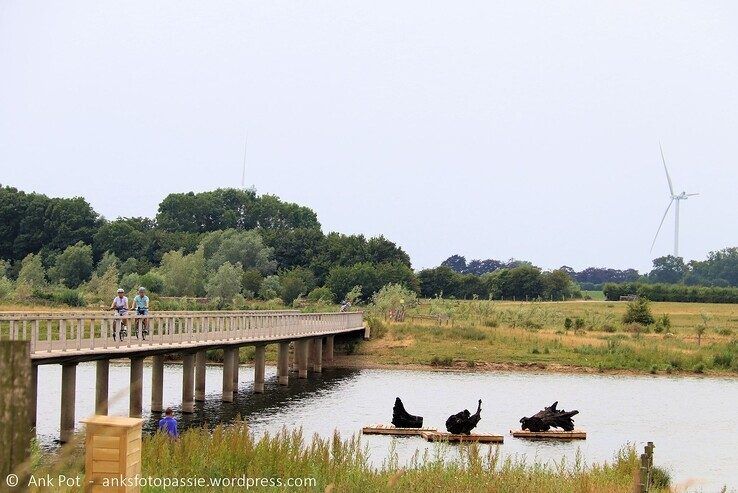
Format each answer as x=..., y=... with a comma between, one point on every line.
x=236, y=364
x=102, y=373
x=228, y=356
x=259, y=364
x=188, y=383
x=68, y=388
x=318, y=354
x=329, y=349
x=283, y=358
x=157, y=383
x=135, y=402
x=200, y=360
x=302, y=348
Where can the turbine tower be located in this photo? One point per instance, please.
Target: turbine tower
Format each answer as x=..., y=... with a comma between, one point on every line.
x=674, y=198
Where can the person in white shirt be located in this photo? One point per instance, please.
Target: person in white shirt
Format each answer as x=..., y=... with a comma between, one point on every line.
x=120, y=305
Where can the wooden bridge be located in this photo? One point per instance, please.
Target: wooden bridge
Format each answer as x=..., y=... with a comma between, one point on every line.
x=68, y=338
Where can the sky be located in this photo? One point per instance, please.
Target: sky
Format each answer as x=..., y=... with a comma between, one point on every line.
x=488, y=129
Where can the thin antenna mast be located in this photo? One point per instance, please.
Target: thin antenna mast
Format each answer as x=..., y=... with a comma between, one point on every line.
x=243, y=173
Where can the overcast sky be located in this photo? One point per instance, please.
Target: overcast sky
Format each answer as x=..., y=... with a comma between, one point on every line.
x=488, y=129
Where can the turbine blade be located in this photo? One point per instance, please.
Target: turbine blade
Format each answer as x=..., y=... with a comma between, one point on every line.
x=661, y=224
x=668, y=178
x=692, y=194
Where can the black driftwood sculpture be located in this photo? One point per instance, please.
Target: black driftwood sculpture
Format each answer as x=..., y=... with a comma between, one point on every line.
x=463, y=423
x=549, y=418
x=403, y=419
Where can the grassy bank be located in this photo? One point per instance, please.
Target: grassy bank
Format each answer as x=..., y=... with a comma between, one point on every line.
x=696, y=337
x=342, y=465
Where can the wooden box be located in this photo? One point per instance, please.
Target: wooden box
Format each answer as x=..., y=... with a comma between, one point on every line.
x=112, y=451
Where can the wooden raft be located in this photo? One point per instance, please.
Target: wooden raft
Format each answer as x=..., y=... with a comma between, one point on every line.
x=443, y=436
x=550, y=435
x=393, y=430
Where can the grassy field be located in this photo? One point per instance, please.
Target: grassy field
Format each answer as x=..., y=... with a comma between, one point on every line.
x=342, y=465
x=493, y=333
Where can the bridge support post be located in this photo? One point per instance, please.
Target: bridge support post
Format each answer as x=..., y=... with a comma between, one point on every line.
x=318, y=354
x=135, y=402
x=301, y=346
x=188, y=383
x=102, y=373
x=310, y=352
x=236, y=364
x=329, y=350
x=68, y=387
x=157, y=384
x=283, y=359
x=228, y=355
x=200, y=358
x=259, y=364
x=33, y=402
x=295, y=355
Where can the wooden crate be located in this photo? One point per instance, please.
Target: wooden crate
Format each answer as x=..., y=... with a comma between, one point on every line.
x=393, y=430
x=112, y=450
x=550, y=435
x=443, y=436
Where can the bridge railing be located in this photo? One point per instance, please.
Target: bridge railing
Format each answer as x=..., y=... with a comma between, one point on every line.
x=88, y=331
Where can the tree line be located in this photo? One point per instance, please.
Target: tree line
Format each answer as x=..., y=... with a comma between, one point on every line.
x=719, y=269
x=220, y=244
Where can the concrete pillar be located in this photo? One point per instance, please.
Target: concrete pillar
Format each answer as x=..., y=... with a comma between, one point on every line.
x=228, y=355
x=68, y=388
x=188, y=383
x=259, y=364
x=311, y=352
x=302, y=347
x=101, y=386
x=283, y=359
x=157, y=384
x=295, y=355
x=135, y=403
x=329, y=349
x=33, y=403
x=318, y=354
x=236, y=364
x=200, y=367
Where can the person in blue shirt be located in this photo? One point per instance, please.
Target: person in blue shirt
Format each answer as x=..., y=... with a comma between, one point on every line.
x=141, y=305
x=168, y=424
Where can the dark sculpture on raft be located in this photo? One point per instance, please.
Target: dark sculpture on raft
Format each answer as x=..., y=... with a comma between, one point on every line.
x=463, y=423
x=403, y=419
x=549, y=418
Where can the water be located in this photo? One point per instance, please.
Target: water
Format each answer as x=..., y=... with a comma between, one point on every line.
x=691, y=420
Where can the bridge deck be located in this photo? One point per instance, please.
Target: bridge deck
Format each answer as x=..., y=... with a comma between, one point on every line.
x=87, y=335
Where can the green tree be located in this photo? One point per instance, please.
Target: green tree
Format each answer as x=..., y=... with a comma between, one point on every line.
x=125, y=237
x=322, y=294
x=440, y=281
x=251, y=282
x=294, y=248
x=639, y=312
x=380, y=249
x=243, y=247
x=104, y=286
x=394, y=298
x=32, y=272
x=73, y=266
x=668, y=269
x=225, y=283
x=183, y=274
x=108, y=259
x=270, y=288
x=557, y=285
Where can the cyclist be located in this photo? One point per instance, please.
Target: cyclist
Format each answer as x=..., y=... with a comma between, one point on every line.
x=141, y=305
x=120, y=305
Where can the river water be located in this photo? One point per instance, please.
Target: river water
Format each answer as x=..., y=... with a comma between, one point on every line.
x=692, y=421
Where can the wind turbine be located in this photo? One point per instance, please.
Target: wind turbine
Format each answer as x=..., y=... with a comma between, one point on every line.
x=674, y=198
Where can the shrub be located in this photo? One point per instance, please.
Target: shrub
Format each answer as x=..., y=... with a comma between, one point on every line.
x=270, y=288
x=724, y=360
x=152, y=281
x=660, y=478
x=224, y=283
x=568, y=323
x=70, y=297
x=639, y=312
x=322, y=294
x=724, y=332
x=578, y=323
x=377, y=329
x=699, y=368
x=609, y=328
x=491, y=322
x=442, y=361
